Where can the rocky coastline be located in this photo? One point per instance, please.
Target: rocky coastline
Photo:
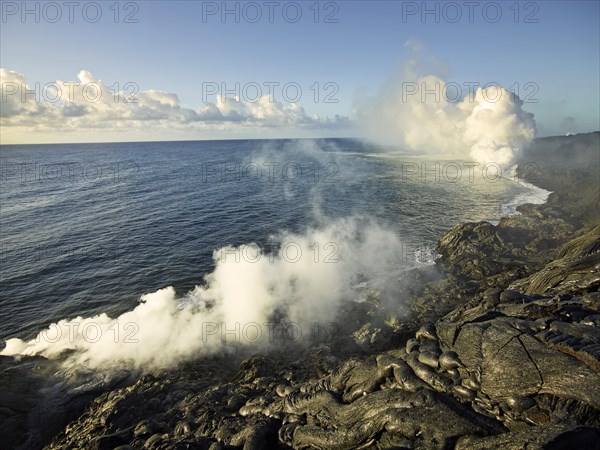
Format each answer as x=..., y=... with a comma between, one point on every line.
x=499, y=347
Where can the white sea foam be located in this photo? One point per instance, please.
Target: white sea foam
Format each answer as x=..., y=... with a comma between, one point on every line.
x=532, y=195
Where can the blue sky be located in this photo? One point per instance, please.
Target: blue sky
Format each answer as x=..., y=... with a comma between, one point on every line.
x=172, y=50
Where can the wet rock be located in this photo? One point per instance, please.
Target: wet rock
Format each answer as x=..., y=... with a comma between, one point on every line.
x=520, y=402
x=576, y=270
x=412, y=344
x=430, y=359
x=449, y=360
x=427, y=331
x=465, y=393
x=556, y=437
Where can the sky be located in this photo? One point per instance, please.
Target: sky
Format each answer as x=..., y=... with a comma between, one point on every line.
x=156, y=70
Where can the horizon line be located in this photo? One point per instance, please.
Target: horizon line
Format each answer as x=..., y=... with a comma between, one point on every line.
x=247, y=139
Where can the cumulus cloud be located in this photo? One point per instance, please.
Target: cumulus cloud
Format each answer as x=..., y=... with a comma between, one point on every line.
x=89, y=104
x=429, y=115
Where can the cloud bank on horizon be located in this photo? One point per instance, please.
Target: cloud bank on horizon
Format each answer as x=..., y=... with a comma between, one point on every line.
x=88, y=104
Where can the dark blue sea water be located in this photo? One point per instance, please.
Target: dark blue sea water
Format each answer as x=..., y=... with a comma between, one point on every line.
x=89, y=228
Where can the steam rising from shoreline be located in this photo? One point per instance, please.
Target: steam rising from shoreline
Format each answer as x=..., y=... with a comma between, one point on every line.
x=422, y=113
x=249, y=291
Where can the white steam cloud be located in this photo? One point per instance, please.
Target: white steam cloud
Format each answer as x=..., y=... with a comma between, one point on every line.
x=241, y=302
x=425, y=114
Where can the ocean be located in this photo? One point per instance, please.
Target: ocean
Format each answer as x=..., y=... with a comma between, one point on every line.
x=87, y=229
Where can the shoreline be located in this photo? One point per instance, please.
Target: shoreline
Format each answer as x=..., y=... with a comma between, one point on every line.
x=494, y=346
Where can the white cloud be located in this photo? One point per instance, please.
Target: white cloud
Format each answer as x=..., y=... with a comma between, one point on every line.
x=88, y=105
